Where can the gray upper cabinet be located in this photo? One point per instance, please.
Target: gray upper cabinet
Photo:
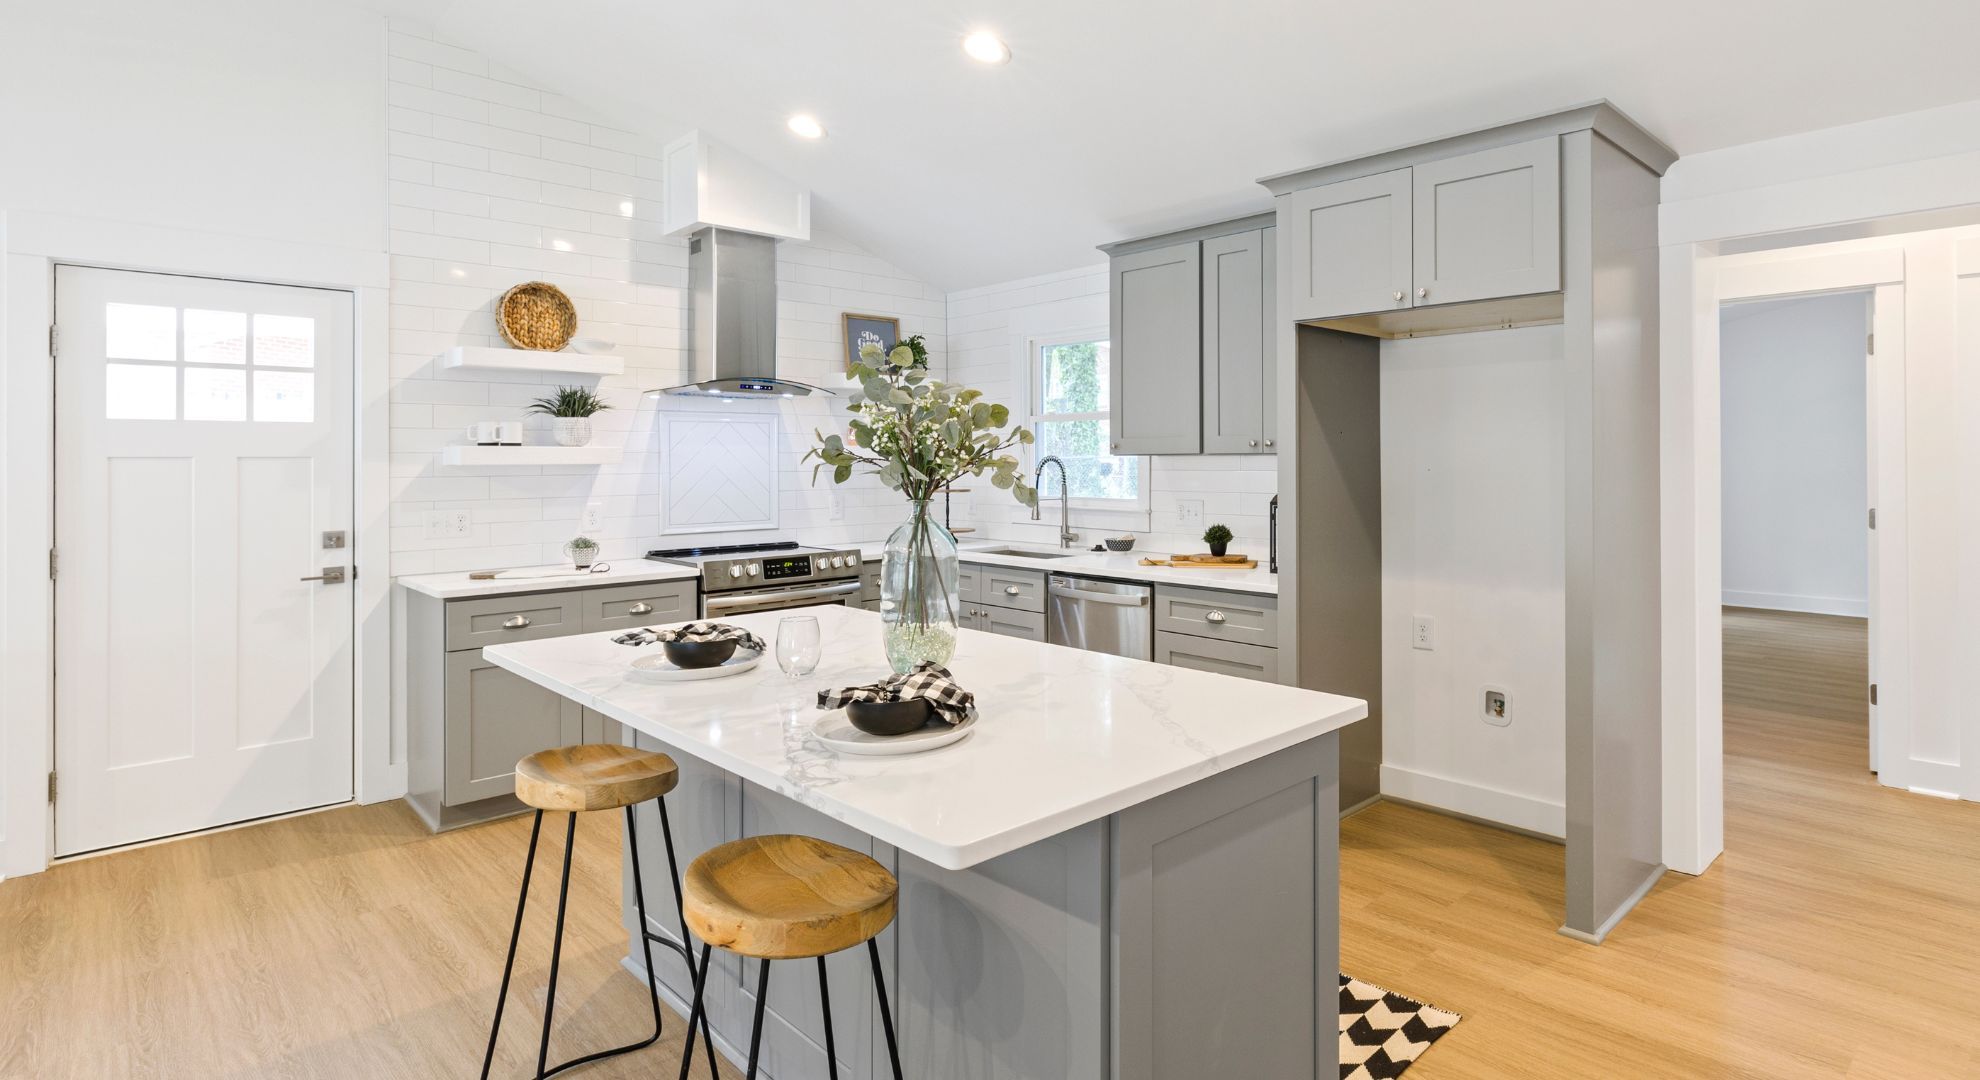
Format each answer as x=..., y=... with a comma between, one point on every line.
x=1155, y=365
x=1239, y=302
x=1488, y=224
x=1346, y=247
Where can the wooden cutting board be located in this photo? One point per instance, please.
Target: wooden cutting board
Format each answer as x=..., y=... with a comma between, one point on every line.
x=1205, y=562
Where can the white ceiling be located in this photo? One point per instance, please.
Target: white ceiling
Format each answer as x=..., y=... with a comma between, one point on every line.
x=1121, y=117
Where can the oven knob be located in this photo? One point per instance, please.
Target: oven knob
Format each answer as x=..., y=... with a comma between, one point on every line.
x=734, y=570
x=837, y=562
x=754, y=569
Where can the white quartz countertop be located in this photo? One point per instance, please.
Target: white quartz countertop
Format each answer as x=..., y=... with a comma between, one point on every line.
x=1122, y=566
x=1063, y=737
x=528, y=579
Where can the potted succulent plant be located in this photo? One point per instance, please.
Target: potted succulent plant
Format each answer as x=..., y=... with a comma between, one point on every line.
x=583, y=552
x=571, y=409
x=1219, y=539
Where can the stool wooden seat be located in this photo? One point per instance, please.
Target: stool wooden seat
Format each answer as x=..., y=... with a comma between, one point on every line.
x=593, y=776
x=787, y=897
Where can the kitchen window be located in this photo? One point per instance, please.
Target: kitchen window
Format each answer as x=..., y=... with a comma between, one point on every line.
x=1069, y=399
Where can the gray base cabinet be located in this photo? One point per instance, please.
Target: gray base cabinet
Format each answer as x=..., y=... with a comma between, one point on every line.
x=1229, y=633
x=1002, y=600
x=469, y=721
x=1221, y=657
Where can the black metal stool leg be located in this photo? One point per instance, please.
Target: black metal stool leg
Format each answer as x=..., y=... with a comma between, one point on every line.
x=825, y=1004
x=680, y=913
x=695, y=1013
x=645, y=942
x=557, y=946
x=886, y=1014
x=756, y=1028
x=509, y=965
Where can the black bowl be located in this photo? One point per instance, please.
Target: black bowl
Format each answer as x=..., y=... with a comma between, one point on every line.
x=889, y=717
x=698, y=654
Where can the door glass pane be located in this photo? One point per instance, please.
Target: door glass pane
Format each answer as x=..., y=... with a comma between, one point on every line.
x=140, y=332
x=140, y=391
x=284, y=341
x=216, y=337
x=216, y=393
x=1074, y=377
x=284, y=396
x=1094, y=473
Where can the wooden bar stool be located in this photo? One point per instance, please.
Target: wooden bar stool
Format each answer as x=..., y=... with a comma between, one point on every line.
x=595, y=776
x=789, y=898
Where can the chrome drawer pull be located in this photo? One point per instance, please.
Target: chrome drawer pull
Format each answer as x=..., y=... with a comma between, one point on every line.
x=515, y=622
x=1214, y=617
x=1011, y=590
x=641, y=608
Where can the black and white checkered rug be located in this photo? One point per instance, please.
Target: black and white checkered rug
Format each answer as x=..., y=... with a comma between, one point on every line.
x=1382, y=1032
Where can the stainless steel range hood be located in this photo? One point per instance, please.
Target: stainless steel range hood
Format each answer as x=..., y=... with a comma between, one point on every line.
x=732, y=277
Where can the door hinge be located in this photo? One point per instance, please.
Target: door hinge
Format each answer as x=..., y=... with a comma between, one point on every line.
x=1870, y=344
x=51, y=785
x=54, y=340
x=53, y=563
x=1873, y=693
x=1873, y=517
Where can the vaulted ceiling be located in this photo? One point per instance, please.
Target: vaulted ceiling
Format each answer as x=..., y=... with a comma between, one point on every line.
x=1120, y=117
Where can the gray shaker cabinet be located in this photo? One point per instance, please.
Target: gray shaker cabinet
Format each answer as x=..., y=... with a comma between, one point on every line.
x=1155, y=365
x=1240, y=300
x=1488, y=224
x=1345, y=248
x=494, y=719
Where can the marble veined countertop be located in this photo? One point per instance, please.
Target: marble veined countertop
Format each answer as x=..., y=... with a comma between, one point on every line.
x=1122, y=566
x=1063, y=737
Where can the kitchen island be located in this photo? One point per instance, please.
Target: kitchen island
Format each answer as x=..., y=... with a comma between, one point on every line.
x=1127, y=870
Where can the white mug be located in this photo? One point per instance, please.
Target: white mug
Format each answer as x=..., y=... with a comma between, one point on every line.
x=508, y=432
x=485, y=433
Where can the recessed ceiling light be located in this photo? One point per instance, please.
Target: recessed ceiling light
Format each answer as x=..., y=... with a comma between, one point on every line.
x=986, y=47
x=805, y=127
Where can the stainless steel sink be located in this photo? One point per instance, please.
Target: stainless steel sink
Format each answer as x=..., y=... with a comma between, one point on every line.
x=1020, y=553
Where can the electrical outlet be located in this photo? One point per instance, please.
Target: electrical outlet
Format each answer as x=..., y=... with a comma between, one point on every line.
x=1190, y=513
x=837, y=504
x=592, y=521
x=448, y=524
x=1422, y=632
x=1497, y=712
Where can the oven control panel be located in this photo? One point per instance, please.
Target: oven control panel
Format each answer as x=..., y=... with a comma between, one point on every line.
x=778, y=569
x=790, y=567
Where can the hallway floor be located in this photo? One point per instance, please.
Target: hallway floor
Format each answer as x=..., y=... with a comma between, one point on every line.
x=1834, y=938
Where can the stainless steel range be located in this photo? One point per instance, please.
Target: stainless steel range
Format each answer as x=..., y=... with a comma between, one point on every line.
x=740, y=578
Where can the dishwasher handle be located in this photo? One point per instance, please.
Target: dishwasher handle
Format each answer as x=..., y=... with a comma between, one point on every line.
x=1136, y=599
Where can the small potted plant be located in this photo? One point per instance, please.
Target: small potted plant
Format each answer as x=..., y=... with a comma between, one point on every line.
x=1219, y=539
x=583, y=552
x=571, y=409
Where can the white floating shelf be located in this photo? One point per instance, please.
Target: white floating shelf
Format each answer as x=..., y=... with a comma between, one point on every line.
x=530, y=455
x=573, y=363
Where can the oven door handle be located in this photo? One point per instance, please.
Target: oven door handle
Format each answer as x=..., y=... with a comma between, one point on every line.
x=723, y=603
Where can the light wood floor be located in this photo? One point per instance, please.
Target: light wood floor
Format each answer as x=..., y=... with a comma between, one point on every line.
x=1835, y=938
x=1838, y=936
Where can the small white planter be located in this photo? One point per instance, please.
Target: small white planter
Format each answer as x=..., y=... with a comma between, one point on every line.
x=571, y=430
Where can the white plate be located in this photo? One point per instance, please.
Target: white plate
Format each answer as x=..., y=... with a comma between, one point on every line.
x=655, y=667
x=835, y=729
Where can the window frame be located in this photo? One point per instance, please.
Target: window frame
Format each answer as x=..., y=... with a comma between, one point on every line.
x=1033, y=348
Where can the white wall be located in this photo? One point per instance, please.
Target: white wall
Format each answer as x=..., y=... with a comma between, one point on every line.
x=987, y=328
x=496, y=181
x=1794, y=454
x=1473, y=505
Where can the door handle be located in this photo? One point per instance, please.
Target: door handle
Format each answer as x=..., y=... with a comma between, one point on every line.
x=331, y=575
x=641, y=608
x=1214, y=617
x=515, y=622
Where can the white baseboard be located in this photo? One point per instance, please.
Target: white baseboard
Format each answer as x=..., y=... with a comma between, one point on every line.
x=1487, y=804
x=1813, y=605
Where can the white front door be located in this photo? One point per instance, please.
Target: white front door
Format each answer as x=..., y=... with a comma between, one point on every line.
x=203, y=451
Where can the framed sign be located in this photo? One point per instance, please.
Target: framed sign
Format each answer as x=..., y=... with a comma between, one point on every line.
x=863, y=330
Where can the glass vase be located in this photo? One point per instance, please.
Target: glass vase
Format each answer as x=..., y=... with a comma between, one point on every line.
x=919, y=608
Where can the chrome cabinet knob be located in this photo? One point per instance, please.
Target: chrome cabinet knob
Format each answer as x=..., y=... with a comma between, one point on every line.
x=1114, y=446
x=1214, y=617
x=1422, y=292
x=1254, y=442
x=641, y=608
x=1399, y=294
x=1268, y=442
x=515, y=622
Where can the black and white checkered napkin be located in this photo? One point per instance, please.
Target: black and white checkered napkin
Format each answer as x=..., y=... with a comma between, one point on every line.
x=694, y=631
x=930, y=680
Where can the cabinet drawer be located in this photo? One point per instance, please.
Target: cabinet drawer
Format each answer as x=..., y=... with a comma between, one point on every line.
x=1010, y=622
x=1221, y=657
x=1020, y=589
x=474, y=623
x=623, y=607
x=1245, y=618
x=969, y=583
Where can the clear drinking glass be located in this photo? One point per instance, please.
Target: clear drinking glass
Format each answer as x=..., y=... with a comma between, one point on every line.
x=798, y=645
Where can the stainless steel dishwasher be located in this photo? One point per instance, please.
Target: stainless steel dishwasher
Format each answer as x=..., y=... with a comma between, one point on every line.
x=1100, y=616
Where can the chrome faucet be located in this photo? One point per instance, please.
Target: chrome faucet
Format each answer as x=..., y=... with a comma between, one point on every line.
x=1067, y=537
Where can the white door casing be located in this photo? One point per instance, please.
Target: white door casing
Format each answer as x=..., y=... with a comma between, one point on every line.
x=203, y=433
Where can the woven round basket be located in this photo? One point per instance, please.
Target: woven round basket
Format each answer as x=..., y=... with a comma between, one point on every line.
x=536, y=315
